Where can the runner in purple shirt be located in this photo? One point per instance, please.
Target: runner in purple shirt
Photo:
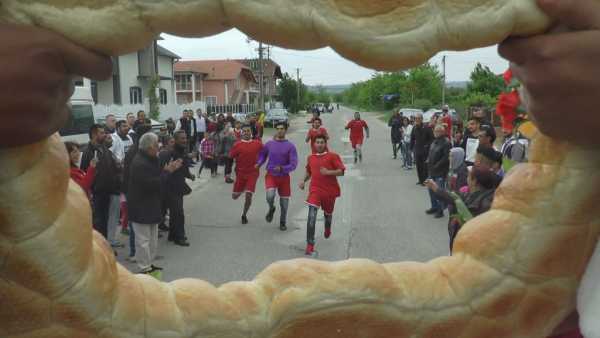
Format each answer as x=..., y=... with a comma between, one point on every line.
x=283, y=159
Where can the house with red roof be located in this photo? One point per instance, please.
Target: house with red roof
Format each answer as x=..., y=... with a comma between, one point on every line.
x=216, y=82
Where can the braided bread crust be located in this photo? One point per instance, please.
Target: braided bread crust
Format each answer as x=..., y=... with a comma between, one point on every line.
x=363, y=31
x=515, y=270
x=514, y=273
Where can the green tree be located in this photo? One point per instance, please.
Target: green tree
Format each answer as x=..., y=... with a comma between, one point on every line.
x=153, y=98
x=479, y=100
x=484, y=81
x=425, y=82
x=288, y=91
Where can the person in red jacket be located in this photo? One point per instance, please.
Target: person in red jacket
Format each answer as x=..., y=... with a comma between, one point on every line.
x=322, y=170
x=357, y=135
x=245, y=154
x=315, y=131
x=84, y=179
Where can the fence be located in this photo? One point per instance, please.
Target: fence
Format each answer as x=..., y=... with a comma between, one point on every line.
x=173, y=111
x=231, y=108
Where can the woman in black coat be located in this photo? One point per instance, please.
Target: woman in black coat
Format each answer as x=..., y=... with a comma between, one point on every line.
x=395, y=123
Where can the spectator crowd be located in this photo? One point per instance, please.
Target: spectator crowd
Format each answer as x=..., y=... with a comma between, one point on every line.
x=461, y=168
x=136, y=178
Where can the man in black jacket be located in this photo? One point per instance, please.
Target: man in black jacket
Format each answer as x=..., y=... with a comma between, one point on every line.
x=129, y=156
x=420, y=140
x=146, y=183
x=106, y=182
x=177, y=188
x=438, y=164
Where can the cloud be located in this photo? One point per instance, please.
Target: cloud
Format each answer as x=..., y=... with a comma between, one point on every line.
x=322, y=66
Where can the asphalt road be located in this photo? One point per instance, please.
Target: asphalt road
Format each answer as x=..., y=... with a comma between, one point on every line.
x=380, y=216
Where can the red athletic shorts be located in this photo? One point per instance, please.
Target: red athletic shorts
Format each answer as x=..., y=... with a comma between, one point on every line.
x=245, y=183
x=281, y=183
x=327, y=203
x=356, y=141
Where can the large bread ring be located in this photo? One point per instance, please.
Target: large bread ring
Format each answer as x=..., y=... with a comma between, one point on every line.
x=515, y=270
x=380, y=34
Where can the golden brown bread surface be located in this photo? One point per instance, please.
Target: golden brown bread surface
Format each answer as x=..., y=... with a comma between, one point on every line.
x=381, y=34
x=514, y=273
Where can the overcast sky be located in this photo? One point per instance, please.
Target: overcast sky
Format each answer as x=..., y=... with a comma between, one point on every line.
x=323, y=66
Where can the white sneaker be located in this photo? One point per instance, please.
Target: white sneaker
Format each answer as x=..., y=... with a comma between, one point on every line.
x=131, y=259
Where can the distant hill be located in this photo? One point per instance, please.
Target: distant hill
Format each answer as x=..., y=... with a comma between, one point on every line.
x=331, y=89
x=457, y=84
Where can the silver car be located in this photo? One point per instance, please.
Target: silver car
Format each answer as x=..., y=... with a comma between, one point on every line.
x=275, y=116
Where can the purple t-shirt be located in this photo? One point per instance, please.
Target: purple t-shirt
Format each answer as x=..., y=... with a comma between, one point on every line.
x=281, y=154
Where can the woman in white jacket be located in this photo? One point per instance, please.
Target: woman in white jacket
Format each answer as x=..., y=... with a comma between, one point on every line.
x=406, y=151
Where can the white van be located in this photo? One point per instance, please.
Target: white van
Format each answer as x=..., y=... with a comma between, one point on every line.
x=81, y=117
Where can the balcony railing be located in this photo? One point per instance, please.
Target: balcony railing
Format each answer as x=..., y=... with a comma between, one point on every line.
x=183, y=87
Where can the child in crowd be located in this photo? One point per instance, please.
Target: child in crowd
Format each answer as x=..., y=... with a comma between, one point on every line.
x=207, y=154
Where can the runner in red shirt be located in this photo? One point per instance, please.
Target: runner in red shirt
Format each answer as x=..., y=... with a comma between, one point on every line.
x=315, y=131
x=357, y=136
x=322, y=170
x=245, y=154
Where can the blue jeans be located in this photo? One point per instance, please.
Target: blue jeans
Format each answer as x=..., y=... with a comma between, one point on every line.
x=437, y=204
x=131, y=240
x=407, y=154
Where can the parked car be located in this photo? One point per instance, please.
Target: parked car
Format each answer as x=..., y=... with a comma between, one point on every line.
x=408, y=112
x=276, y=115
x=429, y=114
x=81, y=117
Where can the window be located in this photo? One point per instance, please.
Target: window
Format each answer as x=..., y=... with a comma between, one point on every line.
x=135, y=95
x=211, y=100
x=163, y=96
x=183, y=82
x=78, y=81
x=116, y=80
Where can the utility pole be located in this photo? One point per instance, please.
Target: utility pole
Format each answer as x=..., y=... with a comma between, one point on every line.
x=298, y=88
x=261, y=70
x=444, y=80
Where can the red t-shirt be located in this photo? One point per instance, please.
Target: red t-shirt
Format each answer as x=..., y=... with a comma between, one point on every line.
x=245, y=154
x=356, y=129
x=324, y=185
x=312, y=135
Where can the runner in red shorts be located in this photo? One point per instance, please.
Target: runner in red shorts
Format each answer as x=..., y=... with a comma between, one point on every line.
x=245, y=154
x=357, y=136
x=322, y=170
x=283, y=159
x=315, y=131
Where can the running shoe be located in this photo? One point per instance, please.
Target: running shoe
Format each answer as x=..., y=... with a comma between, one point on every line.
x=270, y=214
x=310, y=249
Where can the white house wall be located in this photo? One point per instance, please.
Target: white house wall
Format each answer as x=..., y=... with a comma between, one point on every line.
x=165, y=66
x=128, y=65
x=105, y=91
